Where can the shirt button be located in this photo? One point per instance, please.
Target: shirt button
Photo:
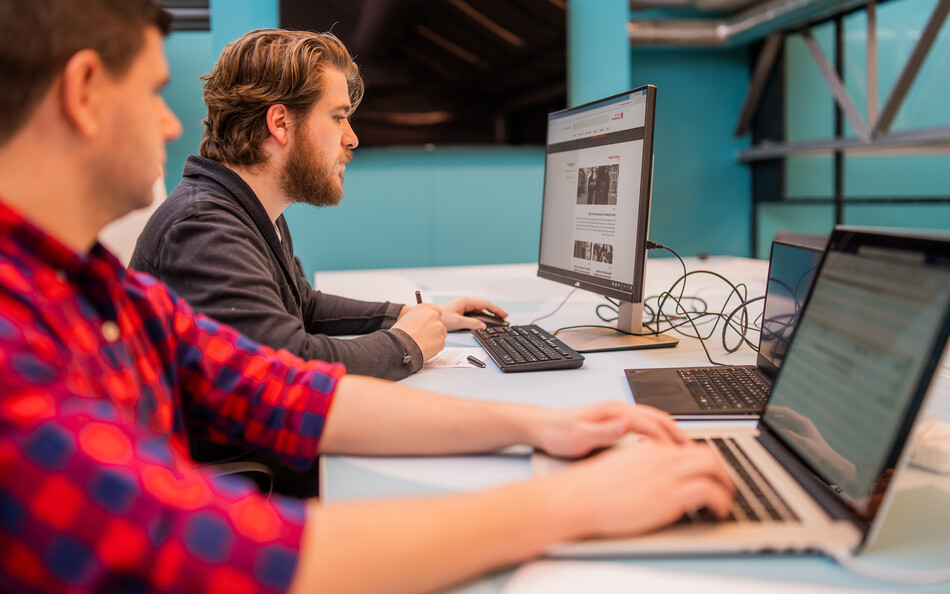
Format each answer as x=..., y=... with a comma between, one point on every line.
x=110, y=331
x=61, y=275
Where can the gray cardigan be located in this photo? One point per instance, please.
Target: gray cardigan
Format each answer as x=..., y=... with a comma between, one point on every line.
x=212, y=242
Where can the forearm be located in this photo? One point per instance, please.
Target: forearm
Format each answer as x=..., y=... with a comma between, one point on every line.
x=428, y=544
x=378, y=354
x=377, y=417
x=336, y=315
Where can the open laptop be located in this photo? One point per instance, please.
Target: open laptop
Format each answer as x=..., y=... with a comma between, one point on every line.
x=738, y=391
x=833, y=438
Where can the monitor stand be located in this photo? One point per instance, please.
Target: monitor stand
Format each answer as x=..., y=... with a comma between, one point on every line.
x=630, y=319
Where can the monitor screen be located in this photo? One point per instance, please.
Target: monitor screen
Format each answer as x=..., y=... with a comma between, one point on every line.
x=597, y=179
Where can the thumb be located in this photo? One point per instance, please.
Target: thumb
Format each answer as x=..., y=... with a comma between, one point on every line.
x=467, y=323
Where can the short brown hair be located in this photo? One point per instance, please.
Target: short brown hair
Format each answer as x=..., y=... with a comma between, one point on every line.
x=264, y=68
x=38, y=37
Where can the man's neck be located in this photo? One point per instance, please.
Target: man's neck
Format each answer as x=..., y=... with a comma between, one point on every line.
x=39, y=193
x=263, y=181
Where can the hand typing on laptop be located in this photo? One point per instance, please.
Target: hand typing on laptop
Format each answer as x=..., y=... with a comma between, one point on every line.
x=642, y=486
x=576, y=432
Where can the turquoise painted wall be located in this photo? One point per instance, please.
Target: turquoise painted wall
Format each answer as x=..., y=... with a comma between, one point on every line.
x=701, y=194
x=190, y=55
x=598, y=49
x=232, y=18
x=809, y=115
x=417, y=207
x=701, y=199
x=424, y=200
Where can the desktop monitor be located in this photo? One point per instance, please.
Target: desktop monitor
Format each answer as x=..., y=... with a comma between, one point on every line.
x=595, y=219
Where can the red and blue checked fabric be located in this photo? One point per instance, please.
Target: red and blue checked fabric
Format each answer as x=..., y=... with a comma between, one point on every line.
x=102, y=375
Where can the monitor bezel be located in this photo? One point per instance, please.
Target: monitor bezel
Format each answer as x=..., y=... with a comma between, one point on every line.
x=587, y=282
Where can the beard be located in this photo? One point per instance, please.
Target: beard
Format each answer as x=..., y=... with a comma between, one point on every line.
x=307, y=176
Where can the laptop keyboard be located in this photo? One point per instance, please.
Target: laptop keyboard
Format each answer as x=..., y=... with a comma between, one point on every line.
x=755, y=499
x=526, y=348
x=725, y=387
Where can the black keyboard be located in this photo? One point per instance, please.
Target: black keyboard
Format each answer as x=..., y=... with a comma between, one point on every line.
x=726, y=387
x=526, y=348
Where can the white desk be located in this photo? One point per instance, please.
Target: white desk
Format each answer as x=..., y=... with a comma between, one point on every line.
x=526, y=297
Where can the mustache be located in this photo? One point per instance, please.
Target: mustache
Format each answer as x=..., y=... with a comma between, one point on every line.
x=346, y=156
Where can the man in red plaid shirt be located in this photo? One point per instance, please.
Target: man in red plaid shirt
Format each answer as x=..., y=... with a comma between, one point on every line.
x=100, y=370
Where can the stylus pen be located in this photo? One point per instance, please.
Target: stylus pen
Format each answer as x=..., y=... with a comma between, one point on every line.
x=418, y=298
x=475, y=361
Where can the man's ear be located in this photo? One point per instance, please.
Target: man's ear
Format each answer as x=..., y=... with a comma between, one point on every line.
x=81, y=91
x=279, y=123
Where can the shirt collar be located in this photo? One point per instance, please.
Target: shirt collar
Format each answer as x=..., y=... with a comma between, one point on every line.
x=29, y=238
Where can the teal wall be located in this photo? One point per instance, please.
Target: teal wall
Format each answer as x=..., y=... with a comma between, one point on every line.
x=598, y=49
x=701, y=194
x=701, y=199
x=417, y=207
x=810, y=116
x=232, y=18
x=191, y=54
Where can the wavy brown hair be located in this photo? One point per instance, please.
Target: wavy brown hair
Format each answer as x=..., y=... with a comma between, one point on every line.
x=264, y=68
x=38, y=38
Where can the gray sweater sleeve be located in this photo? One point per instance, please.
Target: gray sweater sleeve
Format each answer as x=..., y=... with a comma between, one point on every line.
x=227, y=271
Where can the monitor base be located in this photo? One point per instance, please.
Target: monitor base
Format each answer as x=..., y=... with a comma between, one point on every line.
x=594, y=340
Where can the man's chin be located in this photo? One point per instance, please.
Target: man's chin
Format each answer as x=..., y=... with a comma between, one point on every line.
x=323, y=201
x=141, y=201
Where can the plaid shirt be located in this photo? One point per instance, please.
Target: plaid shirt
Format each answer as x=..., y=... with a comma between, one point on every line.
x=100, y=372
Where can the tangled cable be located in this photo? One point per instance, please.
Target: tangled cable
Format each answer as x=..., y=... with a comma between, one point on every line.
x=737, y=320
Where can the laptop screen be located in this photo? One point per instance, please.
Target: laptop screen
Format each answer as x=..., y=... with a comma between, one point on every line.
x=791, y=271
x=863, y=355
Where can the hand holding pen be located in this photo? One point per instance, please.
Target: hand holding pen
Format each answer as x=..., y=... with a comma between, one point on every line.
x=471, y=359
x=423, y=323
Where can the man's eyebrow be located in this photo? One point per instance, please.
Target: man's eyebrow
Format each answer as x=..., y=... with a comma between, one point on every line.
x=343, y=107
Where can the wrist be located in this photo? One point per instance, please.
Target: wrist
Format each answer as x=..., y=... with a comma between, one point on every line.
x=534, y=423
x=568, y=505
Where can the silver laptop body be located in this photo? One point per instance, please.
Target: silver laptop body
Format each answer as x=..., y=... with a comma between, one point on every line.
x=833, y=437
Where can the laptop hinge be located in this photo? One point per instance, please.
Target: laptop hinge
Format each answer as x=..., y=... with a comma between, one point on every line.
x=823, y=493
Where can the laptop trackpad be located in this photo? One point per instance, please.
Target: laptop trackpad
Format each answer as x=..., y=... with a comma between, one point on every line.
x=661, y=388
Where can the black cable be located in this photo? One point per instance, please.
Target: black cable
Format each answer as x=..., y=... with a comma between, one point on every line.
x=683, y=316
x=740, y=290
x=744, y=327
x=614, y=306
x=653, y=246
x=702, y=342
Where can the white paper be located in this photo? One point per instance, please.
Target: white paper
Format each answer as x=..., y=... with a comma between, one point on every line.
x=456, y=357
x=571, y=577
